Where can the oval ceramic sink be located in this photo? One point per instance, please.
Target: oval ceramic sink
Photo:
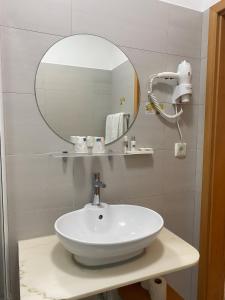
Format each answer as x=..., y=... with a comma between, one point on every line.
x=109, y=233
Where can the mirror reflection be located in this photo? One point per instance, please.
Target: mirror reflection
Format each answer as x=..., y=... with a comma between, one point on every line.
x=86, y=86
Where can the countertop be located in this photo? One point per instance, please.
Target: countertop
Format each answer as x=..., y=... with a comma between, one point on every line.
x=48, y=271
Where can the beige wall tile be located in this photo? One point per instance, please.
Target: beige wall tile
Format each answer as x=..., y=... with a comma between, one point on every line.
x=26, y=131
x=128, y=23
x=205, y=30
x=184, y=32
x=201, y=123
x=203, y=79
x=49, y=16
x=22, y=51
x=179, y=174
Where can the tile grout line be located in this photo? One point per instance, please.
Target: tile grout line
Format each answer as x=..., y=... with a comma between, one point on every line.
x=119, y=45
x=33, y=31
x=141, y=102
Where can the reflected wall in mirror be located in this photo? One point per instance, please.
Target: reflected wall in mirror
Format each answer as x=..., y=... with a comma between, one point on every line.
x=86, y=86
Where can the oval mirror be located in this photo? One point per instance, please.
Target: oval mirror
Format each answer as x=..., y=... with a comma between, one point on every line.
x=86, y=86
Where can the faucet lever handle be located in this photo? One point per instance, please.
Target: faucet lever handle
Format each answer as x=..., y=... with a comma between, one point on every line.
x=99, y=184
x=102, y=185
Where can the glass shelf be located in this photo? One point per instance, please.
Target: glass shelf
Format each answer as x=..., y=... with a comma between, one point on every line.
x=65, y=154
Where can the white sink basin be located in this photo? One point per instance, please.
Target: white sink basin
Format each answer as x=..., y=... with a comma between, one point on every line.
x=107, y=234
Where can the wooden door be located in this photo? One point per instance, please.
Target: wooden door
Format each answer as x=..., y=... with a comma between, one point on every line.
x=212, y=243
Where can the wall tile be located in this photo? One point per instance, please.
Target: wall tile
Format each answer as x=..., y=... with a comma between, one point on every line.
x=152, y=130
x=178, y=32
x=197, y=219
x=178, y=174
x=201, y=121
x=199, y=166
x=155, y=202
x=205, y=30
x=203, y=79
x=146, y=169
x=26, y=131
x=21, y=53
x=128, y=22
x=38, y=193
x=178, y=212
x=33, y=185
x=38, y=222
x=147, y=63
x=52, y=16
x=184, y=32
x=200, y=144
x=120, y=174
x=0, y=81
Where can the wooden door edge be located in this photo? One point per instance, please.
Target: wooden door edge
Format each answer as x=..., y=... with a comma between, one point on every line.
x=216, y=13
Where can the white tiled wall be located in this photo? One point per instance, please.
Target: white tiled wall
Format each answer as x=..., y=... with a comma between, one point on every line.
x=156, y=36
x=200, y=5
x=200, y=142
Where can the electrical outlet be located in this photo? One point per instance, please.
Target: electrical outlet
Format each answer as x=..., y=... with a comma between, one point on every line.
x=180, y=150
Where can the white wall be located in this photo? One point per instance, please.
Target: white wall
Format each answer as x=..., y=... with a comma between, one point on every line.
x=75, y=51
x=200, y=5
x=193, y=4
x=207, y=3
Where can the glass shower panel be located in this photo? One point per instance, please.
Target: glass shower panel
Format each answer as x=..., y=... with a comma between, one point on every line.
x=1, y=271
x=4, y=262
x=2, y=265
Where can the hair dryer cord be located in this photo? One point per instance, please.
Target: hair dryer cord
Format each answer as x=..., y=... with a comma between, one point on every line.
x=154, y=100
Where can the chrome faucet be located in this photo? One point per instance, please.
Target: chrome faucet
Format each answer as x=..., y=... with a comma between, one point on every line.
x=97, y=184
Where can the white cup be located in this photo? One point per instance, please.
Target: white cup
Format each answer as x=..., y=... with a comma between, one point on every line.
x=80, y=144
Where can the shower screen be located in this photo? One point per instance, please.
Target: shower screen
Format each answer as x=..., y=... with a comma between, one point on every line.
x=3, y=283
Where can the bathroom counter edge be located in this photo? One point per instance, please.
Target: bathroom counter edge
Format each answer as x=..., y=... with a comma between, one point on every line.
x=47, y=270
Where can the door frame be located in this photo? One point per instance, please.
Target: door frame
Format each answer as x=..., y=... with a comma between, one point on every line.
x=212, y=232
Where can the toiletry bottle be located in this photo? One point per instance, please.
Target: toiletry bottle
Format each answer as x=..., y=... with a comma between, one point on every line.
x=90, y=143
x=133, y=144
x=99, y=145
x=125, y=144
x=84, y=145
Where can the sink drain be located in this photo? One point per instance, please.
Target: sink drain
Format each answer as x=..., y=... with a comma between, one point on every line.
x=100, y=217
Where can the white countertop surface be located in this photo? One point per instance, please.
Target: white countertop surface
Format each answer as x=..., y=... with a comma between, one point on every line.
x=47, y=270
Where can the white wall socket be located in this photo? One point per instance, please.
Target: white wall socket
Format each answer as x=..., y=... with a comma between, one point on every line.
x=180, y=150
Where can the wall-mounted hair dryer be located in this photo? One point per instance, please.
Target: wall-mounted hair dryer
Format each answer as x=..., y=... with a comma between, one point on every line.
x=182, y=92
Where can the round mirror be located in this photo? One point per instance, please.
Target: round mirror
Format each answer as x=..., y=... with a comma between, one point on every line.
x=86, y=86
